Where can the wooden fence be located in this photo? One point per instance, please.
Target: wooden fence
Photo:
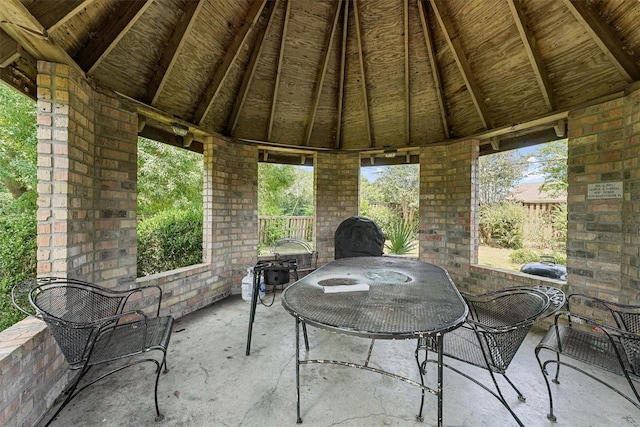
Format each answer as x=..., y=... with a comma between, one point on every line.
x=271, y=228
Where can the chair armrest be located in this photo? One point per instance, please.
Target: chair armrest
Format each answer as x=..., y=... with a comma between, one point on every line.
x=141, y=290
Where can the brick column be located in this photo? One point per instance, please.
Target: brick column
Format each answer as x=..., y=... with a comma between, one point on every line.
x=337, y=180
x=87, y=148
x=231, y=210
x=603, y=248
x=447, y=229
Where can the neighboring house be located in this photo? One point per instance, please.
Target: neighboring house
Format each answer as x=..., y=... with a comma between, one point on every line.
x=530, y=194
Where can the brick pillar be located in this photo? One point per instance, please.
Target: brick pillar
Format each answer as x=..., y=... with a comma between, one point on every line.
x=447, y=229
x=337, y=179
x=603, y=248
x=231, y=209
x=87, y=148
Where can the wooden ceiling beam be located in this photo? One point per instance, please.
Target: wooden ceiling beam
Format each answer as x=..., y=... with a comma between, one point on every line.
x=434, y=67
x=461, y=60
x=279, y=70
x=252, y=66
x=322, y=74
x=363, y=79
x=112, y=31
x=605, y=38
x=531, y=47
x=165, y=66
x=10, y=50
x=21, y=26
x=54, y=14
x=343, y=63
x=230, y=56
x=407, y=89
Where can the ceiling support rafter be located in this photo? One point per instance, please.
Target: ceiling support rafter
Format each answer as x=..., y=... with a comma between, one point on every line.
x=230, y=56
x=322, y=75
x=463, y=64
x=531, y=47
x=343, y=62
x=605, y=38
x=407, y=101
x=252, y=66
x=170, y=55
x=10, y=50
x=434, y=67
x=279, y=70
x=30, y=34
x=363, y=80
x=96, y=50
x=54, y=14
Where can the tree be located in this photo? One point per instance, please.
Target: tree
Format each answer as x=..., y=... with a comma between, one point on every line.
x=399, y=188
x=18, y=142
x=284, y=190
x=168, y=178
x=553, y=166
x=499, y=175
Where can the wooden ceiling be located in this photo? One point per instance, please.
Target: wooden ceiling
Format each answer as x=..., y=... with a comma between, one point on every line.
x=365, y=75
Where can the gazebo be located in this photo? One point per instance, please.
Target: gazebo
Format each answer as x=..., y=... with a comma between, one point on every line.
x=335, y=84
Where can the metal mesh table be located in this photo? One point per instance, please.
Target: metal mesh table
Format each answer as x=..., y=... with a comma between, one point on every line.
x=379, y=298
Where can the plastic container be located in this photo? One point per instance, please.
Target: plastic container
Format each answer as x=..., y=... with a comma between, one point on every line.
x=247, y=285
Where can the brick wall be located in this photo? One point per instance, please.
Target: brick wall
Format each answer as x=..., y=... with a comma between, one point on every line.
x=234, y=210
x=603, y=244
x=447, y=230
x=87, y=180
x=32, y=373
x=337, y=180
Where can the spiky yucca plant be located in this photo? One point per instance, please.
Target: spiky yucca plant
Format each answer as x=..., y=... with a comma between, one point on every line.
x=402, y=237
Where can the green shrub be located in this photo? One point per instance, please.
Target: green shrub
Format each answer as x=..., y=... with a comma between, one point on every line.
x=18, y=246
x=169, y=240
x=501, y=224
x=402, y=237
x=523, y=256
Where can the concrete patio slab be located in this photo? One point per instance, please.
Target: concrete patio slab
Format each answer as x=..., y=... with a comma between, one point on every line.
x=212, y=383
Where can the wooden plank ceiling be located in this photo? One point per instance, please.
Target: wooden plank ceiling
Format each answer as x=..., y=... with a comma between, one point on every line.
x=357, y=75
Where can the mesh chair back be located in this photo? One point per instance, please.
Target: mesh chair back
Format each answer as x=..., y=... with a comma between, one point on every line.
x=74, y=312
x=502, y=321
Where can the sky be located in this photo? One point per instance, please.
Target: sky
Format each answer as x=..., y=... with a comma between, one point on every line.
x=372, y=172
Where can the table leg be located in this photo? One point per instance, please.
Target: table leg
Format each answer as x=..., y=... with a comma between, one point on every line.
x=299, y=420
x=422, y=369
x=439, y=341
x=252, y=311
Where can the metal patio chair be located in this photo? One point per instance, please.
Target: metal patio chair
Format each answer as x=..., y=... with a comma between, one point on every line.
x=496, y=326
x=93, y=325
x=612, y=344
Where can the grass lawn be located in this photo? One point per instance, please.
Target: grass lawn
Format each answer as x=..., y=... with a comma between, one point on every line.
x=496, y=257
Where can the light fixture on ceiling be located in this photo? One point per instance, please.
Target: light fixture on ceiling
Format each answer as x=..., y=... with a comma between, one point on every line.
x=178, y=129
x=390, y=153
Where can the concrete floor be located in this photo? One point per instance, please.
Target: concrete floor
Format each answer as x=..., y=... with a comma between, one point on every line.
x=212, y=383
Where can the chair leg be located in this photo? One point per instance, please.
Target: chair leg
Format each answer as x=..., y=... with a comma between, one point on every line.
x=70, y=391
x=159, y=416
x=543, y=369
x=521, y=397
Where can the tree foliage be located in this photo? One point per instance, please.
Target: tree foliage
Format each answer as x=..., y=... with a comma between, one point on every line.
x=553, y=166
x=18, y=142
x=499, y=175
x=168, y=178
x=392, y=197
x=284, y=190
